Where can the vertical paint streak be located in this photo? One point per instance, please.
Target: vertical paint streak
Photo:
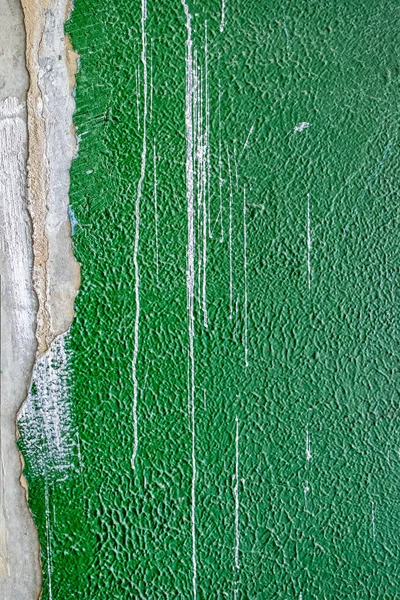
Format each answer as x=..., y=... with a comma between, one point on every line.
x=204, y=185
x=221, y=182
x=155, y=204
x=373, y=519
x=245, y=144
x=308, y=242
x=230, y=238
x=306, y=491
x=137, y=234
x=138, y=98
x=236, y=492
x=197, y=166
x=207, y=132
x=308, y=451
x=151, y=81
x=222, y=24
x=48, y=537
x=236, y=165
x=190, y=273
x=245, y=277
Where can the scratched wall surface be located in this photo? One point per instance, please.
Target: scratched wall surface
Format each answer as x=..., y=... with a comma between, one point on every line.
x=229, y=415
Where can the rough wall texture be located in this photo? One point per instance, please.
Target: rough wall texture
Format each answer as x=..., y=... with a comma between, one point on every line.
x=233, y=365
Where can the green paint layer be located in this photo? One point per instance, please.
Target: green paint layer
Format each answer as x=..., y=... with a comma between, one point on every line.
x=289, y=486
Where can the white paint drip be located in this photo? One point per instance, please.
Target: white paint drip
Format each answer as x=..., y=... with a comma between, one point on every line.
x=236, y=164
x=306, y=491
x=138, y=98
x=48, y=538
x=200, y=145
x=80, y=463
x=236, y=492
x=373, y=519
x=245, y=144
x=207, y=133
x=284, y=21
x=246, y=351
x=221, y=181
x=197, y=165
x=301, y=126
x=230, y=238
x=151, y=81
x=308, y=242
x=222, y=24
x=137, y=234
x=205, y=313
x=190, y=272
x=308, y=451
x=155, y=204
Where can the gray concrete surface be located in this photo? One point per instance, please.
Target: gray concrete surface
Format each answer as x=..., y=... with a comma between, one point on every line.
x=20, y=575
x=38, y=273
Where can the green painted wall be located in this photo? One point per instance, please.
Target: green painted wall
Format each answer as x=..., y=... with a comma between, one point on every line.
x=275, y=472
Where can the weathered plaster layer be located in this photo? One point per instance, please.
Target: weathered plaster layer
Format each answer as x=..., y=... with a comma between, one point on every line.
x=39, y=276
x=51, y=149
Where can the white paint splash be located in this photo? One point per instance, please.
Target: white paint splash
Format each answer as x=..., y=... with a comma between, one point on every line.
x=236, y=493
x=308, y=242
x=230, y=238
x=45, y=418
x=137, y=234
x=246, y=350
x=155, y=203
x=301, y=126
x=190, y=272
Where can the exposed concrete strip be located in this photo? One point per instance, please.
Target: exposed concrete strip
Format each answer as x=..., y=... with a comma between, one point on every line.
x=39, y=275
x=20, y=576
x=51, y=149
